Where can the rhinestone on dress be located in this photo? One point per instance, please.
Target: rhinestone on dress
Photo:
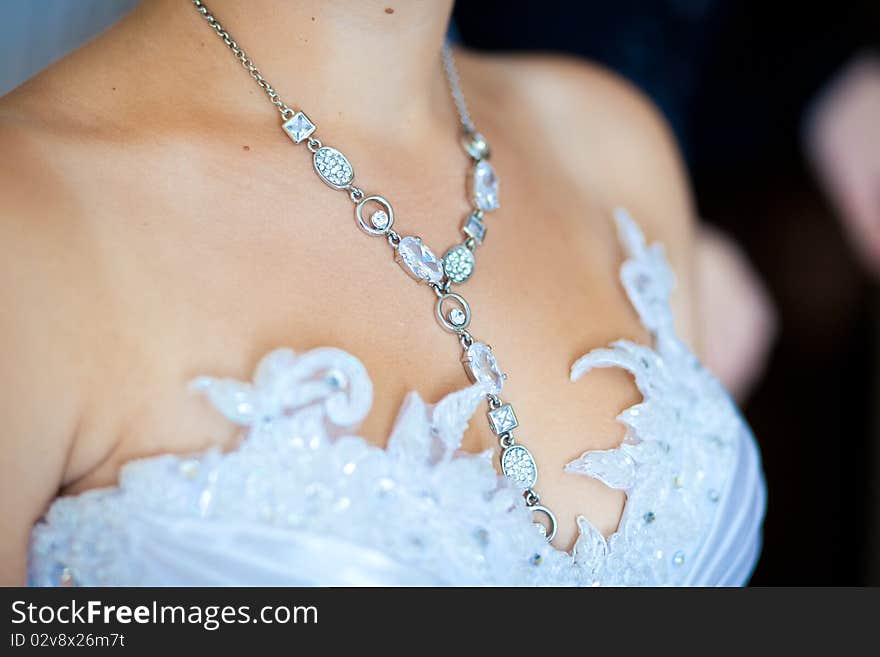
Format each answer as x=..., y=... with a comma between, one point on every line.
x=485, y=186
x=502, y=419
x=518, y=465
x=419, y=261
x=333, y=167
x=480, y=364
x=458, y=263
x=298, y=127
x=474, y=227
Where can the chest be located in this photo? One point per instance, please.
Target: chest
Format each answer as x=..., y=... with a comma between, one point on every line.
x=218, y=262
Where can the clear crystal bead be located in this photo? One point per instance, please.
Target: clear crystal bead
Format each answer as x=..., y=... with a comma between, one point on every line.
x=481, y=366
x=476, y=146
x=298, y=127
x=485, y=186
x=379, y=219
x=457, y=317
x=419, y=261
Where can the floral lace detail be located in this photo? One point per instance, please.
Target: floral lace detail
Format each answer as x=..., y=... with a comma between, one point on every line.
x=421, y=501
x=680, y=441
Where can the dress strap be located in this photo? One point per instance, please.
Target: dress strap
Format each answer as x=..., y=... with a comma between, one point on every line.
x=648, y=281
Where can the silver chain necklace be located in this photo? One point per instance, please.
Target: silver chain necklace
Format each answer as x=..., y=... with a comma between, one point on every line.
x=453, y=312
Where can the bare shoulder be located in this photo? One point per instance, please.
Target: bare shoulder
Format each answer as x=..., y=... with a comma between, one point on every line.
x=42, y=321
x=599, y=128
x=608, y=138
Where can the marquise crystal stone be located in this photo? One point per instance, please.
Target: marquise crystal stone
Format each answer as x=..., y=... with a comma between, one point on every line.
x=333, y=167
x=519, y=467
x=419, y=261
x=458, y=263
x=485, y=186
x=298, y=127
x=481, y=366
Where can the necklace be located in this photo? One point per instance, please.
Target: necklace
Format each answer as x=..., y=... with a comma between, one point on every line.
x=452, y=310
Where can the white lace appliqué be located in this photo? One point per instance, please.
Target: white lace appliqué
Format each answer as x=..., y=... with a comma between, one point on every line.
x=421, y=501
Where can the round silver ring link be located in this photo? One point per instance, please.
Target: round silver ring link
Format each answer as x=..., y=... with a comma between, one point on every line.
x=550, y=531
x=394, y=239
x=465, y=338
x=445, y=319
x=357, y=196
x=313, y=144
x=506, y=440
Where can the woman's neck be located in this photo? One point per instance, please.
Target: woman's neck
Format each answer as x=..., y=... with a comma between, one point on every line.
x=372, y=64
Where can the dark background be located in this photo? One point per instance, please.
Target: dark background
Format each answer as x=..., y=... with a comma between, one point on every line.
x=734, y=80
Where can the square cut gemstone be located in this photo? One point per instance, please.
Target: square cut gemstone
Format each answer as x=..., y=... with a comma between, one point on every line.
x=475, y=228
x=502, y=419
x=298, y=127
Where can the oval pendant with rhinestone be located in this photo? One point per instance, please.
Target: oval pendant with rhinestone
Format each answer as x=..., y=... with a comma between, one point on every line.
x=333, y=167
x=458, y=263
x=519, y=467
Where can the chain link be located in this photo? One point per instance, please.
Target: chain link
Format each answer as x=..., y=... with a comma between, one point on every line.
x=245, y=61
x=531, y=497
x=455, y=87
x=286, y=111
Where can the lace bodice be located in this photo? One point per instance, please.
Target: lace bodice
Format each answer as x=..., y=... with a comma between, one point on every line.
x=304, y=500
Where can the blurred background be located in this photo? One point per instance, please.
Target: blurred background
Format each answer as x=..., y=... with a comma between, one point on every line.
x=776, y=107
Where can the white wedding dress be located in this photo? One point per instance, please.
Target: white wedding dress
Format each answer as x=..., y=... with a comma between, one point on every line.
x=304, y=501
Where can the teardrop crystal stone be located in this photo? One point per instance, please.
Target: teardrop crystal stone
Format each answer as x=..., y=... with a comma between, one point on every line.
x=419, y=261
x=480, y=364
x=485, y=186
